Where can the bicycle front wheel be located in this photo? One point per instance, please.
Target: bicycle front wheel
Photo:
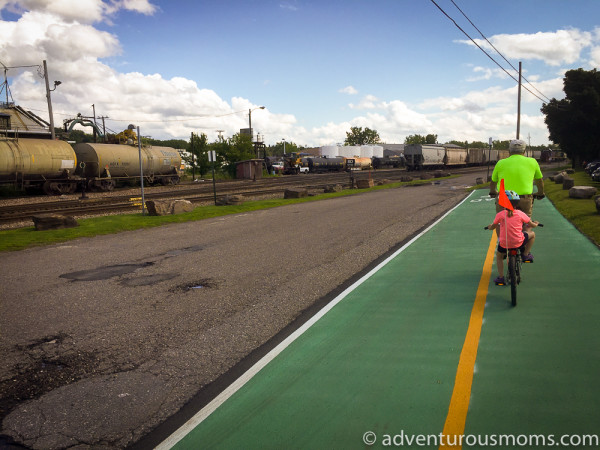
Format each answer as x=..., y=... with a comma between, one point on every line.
x=512, y=274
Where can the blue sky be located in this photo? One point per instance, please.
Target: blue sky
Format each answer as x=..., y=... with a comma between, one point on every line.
x=319, y=67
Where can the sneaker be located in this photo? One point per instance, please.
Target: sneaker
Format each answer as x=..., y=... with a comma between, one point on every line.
x=499, y=281
x=528, y=258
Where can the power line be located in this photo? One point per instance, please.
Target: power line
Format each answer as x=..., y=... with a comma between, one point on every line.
x=498, y=51
x=486, y=53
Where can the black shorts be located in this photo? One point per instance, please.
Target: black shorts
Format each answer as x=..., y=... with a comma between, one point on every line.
x=522, y=247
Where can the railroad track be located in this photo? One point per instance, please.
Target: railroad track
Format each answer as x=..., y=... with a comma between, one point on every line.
x=196, y=193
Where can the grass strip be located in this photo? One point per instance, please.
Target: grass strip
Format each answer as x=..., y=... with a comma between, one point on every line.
x=21, y=238
x=582, y=213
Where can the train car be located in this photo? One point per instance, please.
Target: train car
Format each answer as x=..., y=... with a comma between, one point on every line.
x=420, y=156
x=105, y=164
x=38, y=163
x=383, y=162
x=362, y=163
x=502, y=154
x=476, y=156
x=318, y=164
x=455, y=157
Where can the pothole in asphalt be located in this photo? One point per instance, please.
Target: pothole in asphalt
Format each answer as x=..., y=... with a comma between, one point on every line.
x=206, y=283
x=104, y=273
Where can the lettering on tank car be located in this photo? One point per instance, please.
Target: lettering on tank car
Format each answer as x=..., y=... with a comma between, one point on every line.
x=168, y=153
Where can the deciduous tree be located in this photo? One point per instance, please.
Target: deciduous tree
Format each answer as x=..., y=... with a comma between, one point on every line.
x=358, y=136
x=574, y=122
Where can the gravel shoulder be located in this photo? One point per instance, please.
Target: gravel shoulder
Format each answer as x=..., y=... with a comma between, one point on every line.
x=105, y=338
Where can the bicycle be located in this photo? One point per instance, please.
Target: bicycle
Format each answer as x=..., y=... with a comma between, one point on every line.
x=513, y=275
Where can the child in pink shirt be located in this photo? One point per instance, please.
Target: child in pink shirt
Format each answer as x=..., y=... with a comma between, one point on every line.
x=511, y=229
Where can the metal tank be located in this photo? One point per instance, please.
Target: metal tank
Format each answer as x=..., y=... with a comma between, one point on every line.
x=327, y=164
x=362, y=163
x=38, y=162
x=103, y=164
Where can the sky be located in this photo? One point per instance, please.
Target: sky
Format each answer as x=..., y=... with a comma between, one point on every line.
x=319, y=67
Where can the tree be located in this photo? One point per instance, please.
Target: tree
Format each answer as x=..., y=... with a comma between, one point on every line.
x=574, y=122
x=358, y=136
x=278, y=148
x=232, y=150
x=198, y=153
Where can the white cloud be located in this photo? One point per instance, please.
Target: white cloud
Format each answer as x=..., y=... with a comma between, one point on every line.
x=554, y=48
x=83, y=11
x=367, y=102
x=350, y=90
x=174, y=107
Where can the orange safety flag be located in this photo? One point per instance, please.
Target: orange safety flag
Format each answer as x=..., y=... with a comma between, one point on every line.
x=503, y=199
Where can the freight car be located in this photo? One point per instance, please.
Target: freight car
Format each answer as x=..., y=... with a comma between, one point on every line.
x=419, y=156
x=382, y=162
x=38, y=163
x=102, y=165
x=363, y=163
x=319, y=164
x=455, y=157
x=481, y=156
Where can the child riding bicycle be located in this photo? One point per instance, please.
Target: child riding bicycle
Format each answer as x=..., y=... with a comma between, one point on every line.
x=510, y=222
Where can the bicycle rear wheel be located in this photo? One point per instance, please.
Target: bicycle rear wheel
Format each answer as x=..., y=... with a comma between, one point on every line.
x=512, y=274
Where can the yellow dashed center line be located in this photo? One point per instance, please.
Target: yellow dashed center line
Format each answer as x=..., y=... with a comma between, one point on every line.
x=459, y=403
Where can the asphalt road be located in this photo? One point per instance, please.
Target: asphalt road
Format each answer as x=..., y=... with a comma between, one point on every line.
x=105, y=338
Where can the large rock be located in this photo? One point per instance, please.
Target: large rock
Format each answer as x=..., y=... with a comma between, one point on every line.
x=597, y=200
x=230, y=200
x=582, y=192
x=568, y=183
x=331, y=188
x=295, y=193
x=53, y=222
x=168, y=207
x=364, y=184
x=559, y=177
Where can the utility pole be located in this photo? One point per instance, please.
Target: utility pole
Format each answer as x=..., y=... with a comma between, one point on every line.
x=52, y=133
x=519, y=104
x=104, y=127
x=94, y=117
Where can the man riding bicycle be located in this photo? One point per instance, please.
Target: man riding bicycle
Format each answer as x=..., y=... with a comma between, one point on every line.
x=519, y=173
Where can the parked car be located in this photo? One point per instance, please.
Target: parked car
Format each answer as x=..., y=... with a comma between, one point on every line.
x=596, y=175
x=592, y=166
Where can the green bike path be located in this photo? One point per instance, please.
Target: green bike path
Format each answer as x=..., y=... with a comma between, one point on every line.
x=397, y=358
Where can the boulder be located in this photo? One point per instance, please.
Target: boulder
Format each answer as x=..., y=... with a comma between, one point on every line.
x=168, y=207
x=479, y=181
x=295, y=193
x=364, y=184
x=406, y=178
x=597, y=200
x=582, y=192
x=331, y=188
x=568, y=183
x=559, y=177
x=53, y=222
x=230, y=200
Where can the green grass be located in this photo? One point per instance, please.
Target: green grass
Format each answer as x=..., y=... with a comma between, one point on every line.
x=21, y=238
x=581, y=213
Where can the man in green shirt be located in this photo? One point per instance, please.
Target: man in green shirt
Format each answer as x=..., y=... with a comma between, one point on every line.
x=519, y=173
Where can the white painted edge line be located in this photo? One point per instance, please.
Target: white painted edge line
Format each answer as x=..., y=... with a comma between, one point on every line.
x=201, y=415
